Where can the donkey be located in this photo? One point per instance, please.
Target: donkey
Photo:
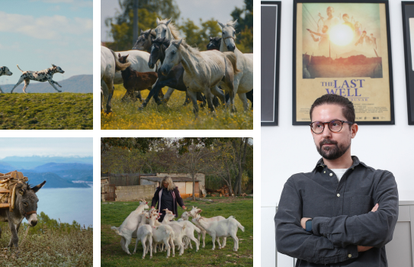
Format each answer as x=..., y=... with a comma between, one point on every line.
x=25, y=207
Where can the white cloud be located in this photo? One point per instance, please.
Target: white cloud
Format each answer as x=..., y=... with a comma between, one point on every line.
x=75, y=3
x=44, y=27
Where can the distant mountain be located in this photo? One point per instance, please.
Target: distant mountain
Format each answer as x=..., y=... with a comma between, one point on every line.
x=5, y=167
x=28, y=163
x=52, y=180
x=68, y=171
x=74, y=84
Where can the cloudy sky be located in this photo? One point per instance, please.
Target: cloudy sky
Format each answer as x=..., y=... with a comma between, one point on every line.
x=50, y=146
x=192, y=9
x=38, y=33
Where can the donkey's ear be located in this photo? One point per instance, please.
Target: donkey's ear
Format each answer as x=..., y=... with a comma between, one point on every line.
x=37, y=187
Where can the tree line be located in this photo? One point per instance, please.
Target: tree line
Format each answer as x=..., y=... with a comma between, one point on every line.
x=121, y=26
x=228, y=160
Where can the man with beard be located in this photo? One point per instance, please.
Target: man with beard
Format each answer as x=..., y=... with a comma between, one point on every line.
x=343, y=212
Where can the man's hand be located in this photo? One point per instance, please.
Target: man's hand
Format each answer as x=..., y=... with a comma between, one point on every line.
x=303, y=222
x=365, y=248
x=184, y=208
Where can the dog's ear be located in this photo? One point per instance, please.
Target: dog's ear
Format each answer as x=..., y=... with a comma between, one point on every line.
x=53, y=65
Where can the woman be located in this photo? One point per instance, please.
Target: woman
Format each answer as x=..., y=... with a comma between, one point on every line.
x=167, y=196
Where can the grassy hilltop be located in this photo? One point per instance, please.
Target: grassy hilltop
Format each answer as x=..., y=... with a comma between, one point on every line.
x=46, y=111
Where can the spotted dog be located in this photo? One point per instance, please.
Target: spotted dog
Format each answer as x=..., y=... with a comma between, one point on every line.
x=40, y=76
x=4, y=71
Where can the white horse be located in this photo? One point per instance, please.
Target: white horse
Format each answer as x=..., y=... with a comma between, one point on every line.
x=166, y=29
x=243, y=81
x=203, y=71
x=109, y=65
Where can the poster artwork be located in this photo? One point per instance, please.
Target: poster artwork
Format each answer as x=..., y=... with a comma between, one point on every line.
x=342, y=48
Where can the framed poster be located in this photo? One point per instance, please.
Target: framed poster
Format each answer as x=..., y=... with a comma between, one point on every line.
x=408, y=32
x=344, y=48
x=270, y=48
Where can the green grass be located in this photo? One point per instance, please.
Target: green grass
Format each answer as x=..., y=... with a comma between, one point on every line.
x=114, y=213
x=46, y=111
x=172, y=115
x=49, y=243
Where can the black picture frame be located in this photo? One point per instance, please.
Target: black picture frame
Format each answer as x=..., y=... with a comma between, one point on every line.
x=408, y=30
x=311, y=79
x=270, y=53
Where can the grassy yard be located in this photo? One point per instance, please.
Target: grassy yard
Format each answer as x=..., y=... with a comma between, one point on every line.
x=172, y=115
x=46, y=111
x=114, y=213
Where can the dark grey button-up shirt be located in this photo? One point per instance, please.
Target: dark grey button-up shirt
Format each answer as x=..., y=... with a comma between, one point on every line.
x=341, y=216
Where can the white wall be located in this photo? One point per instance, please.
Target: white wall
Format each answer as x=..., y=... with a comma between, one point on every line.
x=288, y=149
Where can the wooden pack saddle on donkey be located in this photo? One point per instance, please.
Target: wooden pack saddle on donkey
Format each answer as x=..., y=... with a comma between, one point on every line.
x=8, y=182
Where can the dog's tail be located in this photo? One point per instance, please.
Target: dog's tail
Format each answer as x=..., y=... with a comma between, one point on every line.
x=19, y=68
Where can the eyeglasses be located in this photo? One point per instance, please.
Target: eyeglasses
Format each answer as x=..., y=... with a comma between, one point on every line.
x=334, y=126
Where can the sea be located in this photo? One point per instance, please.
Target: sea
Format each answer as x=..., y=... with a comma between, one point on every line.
x=67, y=204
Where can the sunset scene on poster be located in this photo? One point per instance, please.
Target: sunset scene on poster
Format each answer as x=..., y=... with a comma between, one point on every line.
x=341, y=40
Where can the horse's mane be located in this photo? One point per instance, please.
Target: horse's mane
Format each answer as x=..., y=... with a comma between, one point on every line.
x=172, y=27
x=231, y=23
x=193, y=50
x=161, y=41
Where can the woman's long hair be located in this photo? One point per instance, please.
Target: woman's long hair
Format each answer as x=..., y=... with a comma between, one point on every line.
x=167, y=179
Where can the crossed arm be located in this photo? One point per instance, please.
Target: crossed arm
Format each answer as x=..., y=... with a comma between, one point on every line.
x=359, y=247
x=335, y=239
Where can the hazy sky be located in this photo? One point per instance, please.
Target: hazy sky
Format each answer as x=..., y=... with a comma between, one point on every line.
x=192, y=9
x=38, y=33
x=64, y=147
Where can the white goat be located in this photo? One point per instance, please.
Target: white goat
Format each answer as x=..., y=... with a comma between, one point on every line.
x=144, y=234
x=178, y=230
x=189, y=229
x=128, y=228
x=162, y=234
x=195, y=213
x=187, y=240
x=223, y=228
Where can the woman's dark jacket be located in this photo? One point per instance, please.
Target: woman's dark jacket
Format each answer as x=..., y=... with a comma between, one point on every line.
x=176, y=199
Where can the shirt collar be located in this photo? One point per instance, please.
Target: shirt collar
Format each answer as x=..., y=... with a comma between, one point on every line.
x=320, y=165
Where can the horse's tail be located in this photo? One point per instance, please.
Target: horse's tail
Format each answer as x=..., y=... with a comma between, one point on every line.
x=19, y=68
x=118, y=65
x=233, y=59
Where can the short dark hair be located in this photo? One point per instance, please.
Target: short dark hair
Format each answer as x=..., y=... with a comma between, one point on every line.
x=348, y=109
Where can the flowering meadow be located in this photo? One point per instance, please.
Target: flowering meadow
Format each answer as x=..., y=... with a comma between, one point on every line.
x=172, y=115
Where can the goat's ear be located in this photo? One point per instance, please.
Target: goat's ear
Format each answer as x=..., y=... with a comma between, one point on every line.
x=199, y=211
x=37, y=187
